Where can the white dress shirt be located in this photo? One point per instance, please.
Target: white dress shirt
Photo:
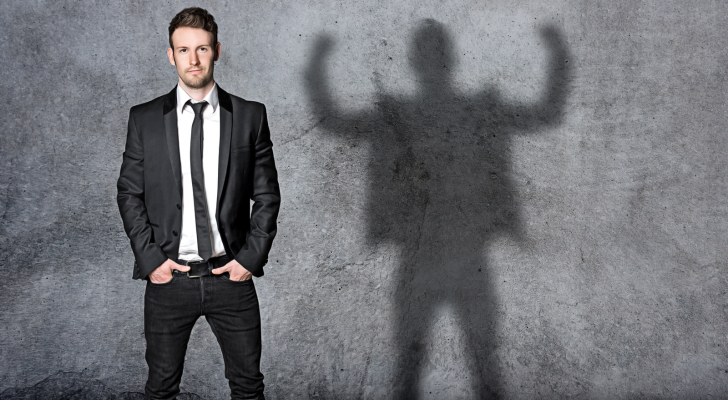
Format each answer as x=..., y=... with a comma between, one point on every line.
x=210, y=160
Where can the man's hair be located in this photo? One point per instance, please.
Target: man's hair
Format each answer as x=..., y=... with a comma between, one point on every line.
x=194, y=17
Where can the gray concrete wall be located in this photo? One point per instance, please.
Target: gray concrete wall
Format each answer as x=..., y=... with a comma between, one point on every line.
x=464, y=212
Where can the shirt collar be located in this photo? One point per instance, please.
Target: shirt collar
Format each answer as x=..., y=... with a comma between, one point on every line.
x=211, y=98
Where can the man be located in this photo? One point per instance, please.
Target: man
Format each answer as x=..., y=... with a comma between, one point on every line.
x=194, y=159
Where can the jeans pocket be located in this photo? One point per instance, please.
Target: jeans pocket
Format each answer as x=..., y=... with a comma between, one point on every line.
x=163, y=283
x=226, y=277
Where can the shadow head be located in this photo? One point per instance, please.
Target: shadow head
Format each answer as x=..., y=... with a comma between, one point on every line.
x=431, y=54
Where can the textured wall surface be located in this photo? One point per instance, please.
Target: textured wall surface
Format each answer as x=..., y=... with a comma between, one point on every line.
x=480, y=199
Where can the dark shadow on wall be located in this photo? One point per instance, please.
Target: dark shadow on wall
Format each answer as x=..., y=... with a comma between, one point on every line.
x=74, y=386
x=441, y=188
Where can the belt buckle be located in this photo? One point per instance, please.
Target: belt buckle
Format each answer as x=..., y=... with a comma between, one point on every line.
x=187, y=263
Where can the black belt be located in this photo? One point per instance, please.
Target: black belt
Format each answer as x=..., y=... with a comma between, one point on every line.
x=204, y=268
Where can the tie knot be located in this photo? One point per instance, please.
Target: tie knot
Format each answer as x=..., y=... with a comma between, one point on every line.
x=197, y=107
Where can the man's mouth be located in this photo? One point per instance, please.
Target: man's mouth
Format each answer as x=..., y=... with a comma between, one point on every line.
x=194, y=71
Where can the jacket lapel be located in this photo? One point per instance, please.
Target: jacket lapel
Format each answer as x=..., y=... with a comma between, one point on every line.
x=226, y=128
x=170, y=127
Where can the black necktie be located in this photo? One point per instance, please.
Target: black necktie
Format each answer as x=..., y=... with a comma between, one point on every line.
x=204, y=245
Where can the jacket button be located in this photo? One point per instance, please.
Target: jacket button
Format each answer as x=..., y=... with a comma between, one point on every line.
x=174, y=233
x=179, y=206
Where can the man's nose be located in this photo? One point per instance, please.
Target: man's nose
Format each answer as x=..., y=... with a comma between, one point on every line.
x=194, y=60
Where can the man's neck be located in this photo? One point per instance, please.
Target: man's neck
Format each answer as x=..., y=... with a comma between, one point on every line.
x=197, y=94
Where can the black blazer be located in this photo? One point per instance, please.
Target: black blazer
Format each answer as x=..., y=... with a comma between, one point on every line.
x=150, y=183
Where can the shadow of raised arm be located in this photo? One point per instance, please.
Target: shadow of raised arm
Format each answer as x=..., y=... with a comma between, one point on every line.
x=331, y=116
x=549, y=110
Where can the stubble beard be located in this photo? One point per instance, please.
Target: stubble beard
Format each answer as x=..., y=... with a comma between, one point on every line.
x=199, y=81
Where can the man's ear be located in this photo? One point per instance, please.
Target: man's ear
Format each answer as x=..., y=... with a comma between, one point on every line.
x=217, y=51
x=170, y=55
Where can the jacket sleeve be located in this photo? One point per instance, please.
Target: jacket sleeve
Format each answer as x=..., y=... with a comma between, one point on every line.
x=130, y=198
x=267, y=199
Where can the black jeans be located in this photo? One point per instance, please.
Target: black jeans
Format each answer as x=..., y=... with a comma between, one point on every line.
x=231, y=310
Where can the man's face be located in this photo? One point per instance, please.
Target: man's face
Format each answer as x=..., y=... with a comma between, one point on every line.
x=194, y=56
